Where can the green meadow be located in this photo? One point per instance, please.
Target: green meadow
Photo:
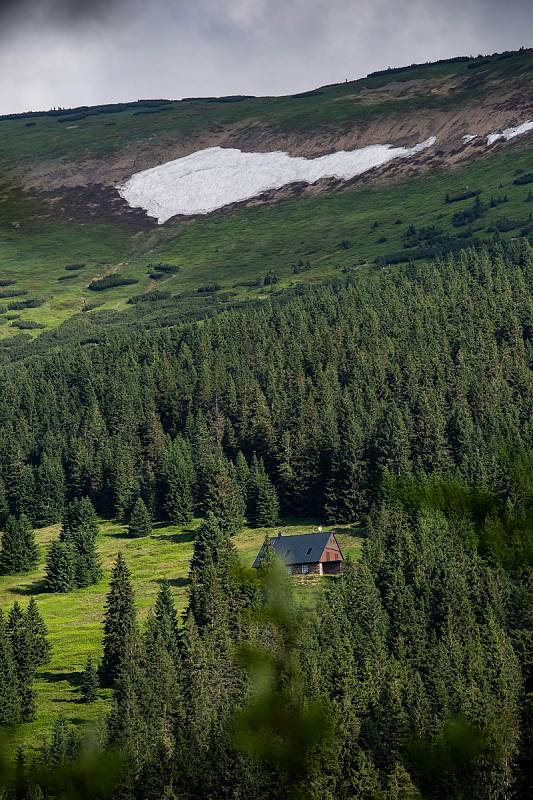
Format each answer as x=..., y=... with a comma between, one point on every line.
x=74, y=620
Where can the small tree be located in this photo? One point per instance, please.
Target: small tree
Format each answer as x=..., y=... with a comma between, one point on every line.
x=40, y=647
x=140, y=521
x=89, y=682
x=60, y=568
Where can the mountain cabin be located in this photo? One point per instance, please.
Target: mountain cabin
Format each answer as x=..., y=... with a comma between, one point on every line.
x=307, y=553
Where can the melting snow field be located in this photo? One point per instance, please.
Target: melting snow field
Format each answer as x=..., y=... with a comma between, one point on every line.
x=510, y=133
x=210, y=179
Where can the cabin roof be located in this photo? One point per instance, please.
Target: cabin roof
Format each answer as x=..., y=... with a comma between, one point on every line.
x=303, y=548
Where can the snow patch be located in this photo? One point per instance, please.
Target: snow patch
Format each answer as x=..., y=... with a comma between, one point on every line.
x=210, y=179
x=510, y=133
x=469, y=137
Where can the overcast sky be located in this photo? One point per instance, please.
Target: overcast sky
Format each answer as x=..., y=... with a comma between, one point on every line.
x=71, y=52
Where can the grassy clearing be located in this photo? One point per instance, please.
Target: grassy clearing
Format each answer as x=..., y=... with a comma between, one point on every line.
x=74, y=619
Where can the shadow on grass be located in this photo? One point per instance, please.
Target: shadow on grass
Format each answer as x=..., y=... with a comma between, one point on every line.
x=35, y=588
x=180, y=582
x=177, y=538
x=73, y=678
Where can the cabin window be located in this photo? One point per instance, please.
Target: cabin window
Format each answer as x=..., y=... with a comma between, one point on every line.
x=289, y=570
x=327, y=556
x=305, y=569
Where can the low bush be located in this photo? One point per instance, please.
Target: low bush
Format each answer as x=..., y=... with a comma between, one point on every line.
x=522, y=180
x=27, y=325
x=12, y=293
x=110, y=282
x=464, y=195
x=149, y=297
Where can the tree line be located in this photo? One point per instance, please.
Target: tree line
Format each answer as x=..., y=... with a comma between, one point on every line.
x=299, y=406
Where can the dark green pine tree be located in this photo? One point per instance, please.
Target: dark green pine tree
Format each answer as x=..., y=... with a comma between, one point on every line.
x=166, y=619
x=177, y=480
x=140, y=522
x=9, y=697
x=89, y=682
x=119, y=621
x=11, y=555
x=22, y=656
x=225, y=500
x=4, y=505
x=19, y=548
x=41, y=649
x=264, y=502
x=49, y=491
x=60, y=568
x=80, y=531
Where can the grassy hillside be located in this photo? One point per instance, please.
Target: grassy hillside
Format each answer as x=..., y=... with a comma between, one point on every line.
x=60, y=228
x=74, y=619
x=230, y=251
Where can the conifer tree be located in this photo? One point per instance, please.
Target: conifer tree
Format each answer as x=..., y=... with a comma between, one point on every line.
x=225, y=500
x=177, y=479
x=22, y=657
x=41, y=649
x=119, y=621
x=140, y=522
x=264, y=501
x=166, y=619
x=89, y=682
x=19, y=548
x=80, y=531
x=49, y=491
x=9, y=697
x=60, y=568
x=4, y=505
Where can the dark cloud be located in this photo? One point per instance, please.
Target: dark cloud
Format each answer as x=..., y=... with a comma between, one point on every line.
x=72, y=52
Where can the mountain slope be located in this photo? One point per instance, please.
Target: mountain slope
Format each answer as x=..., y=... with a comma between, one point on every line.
x=59, y=205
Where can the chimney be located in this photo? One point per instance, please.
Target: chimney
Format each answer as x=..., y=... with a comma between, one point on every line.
x=280, y=534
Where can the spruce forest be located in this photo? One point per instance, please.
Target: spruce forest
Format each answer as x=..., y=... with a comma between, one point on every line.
x=398, y=402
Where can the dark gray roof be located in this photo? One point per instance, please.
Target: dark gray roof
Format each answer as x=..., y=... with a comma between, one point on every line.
x=303, y=548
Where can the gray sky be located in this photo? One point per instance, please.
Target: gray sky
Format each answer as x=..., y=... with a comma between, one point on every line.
x=71, y=52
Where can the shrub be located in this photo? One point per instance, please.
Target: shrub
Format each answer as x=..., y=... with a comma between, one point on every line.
x=162, y=267
x=27, y=325
x=12, y=293
x=149, y=297
x=208, y=288
x=74, y=267
x=110, y=282
x=7, y=282
x=522, y=180
x=468, y=215
x=465, y=195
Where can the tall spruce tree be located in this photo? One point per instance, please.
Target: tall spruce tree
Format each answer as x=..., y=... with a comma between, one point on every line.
x=225, y=499
x=120, y=621
x=166, y=619
x=60, y=568
x=9, y=696
x=140, y=522
x=19, y=548
x=23, y=659
x=264, y=502
x=80, y=531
